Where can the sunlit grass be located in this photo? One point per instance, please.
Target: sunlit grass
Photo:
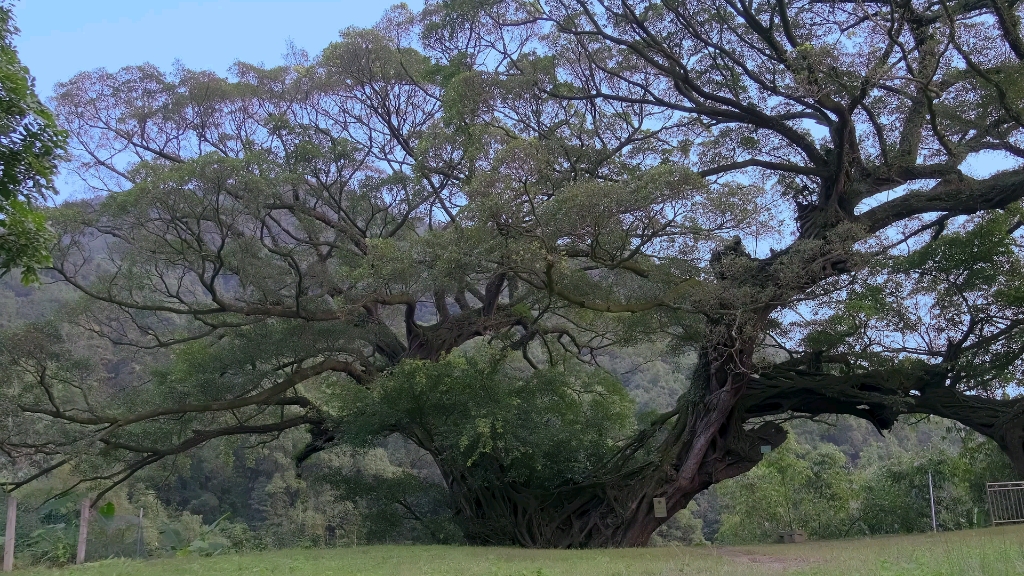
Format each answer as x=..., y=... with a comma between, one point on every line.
x=994, y=551
x=426, y=561
x=991, y=551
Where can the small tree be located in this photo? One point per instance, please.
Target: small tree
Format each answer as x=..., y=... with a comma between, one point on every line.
x=795, y=488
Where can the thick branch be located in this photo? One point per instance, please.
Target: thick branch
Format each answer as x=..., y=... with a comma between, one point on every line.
x=882, y=396
x=958, y=196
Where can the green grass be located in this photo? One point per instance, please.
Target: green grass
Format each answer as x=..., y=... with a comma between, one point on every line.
x=990, y=551
x=993, y=551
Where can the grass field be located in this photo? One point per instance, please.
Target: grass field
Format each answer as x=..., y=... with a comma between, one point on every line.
x=992, y=551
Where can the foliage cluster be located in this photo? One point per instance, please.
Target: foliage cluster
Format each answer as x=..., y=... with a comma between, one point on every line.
x=543, y=426
x=30, y=143
x=813, y=486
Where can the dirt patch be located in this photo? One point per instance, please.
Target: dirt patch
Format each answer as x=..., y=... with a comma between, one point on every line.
x=780, y=563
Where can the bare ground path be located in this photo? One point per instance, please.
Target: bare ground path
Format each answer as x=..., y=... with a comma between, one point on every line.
x=765, y=561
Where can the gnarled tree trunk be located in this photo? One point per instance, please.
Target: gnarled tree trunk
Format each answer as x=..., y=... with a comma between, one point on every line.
x=702, y=442
x=715, y=433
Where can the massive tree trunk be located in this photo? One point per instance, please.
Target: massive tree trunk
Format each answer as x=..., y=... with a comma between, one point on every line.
x=701, y=442
x=717, y=431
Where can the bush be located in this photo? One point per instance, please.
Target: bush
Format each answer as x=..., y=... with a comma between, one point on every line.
x=817, y=489
x=683, y=528
x=53, y=545
x=794, y=488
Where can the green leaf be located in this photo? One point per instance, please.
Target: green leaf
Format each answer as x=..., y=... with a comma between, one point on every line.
x=107, y=510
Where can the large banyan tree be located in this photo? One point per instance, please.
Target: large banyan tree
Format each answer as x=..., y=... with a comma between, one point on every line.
x=435, y=225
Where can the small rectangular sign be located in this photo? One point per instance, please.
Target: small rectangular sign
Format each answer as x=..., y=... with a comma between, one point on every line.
x=766, y=449
x=660, y=510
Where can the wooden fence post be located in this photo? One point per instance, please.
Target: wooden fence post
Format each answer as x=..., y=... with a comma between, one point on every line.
x=12, y=513
x=83, y=531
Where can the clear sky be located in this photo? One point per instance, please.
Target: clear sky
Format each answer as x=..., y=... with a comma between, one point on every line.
x=61, y=37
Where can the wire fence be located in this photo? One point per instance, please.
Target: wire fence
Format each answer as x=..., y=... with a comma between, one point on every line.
x=55, y=536
x=115, y=536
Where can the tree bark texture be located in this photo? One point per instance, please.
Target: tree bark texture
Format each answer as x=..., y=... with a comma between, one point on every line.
x=702, y=442
x=716, y=432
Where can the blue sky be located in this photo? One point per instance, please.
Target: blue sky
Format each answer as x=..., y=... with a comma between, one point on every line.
x=61, y=37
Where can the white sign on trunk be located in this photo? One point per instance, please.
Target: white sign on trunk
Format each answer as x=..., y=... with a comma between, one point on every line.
x=660, y=510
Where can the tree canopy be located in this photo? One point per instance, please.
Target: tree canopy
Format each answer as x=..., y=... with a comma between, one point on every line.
x=799, y=194
x=30, y=143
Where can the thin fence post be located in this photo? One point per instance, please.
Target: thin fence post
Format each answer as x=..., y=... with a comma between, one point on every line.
x=138, y=544
x=931, y=497
x=12, y=513
x=988, y=501
x=83, y=531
